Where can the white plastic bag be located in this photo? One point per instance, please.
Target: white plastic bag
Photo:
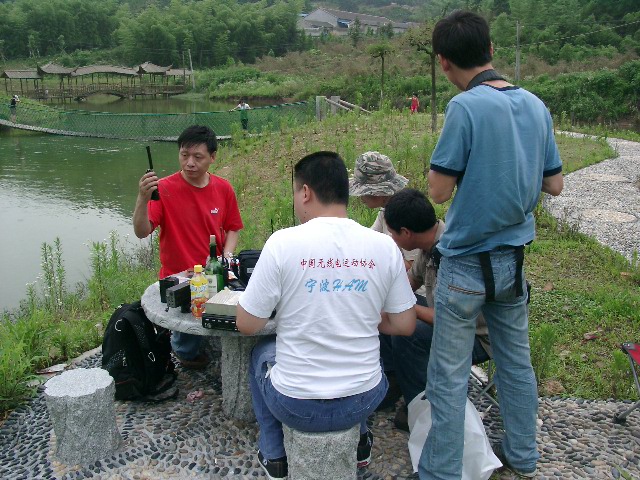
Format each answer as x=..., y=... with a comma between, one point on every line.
x=478, y=459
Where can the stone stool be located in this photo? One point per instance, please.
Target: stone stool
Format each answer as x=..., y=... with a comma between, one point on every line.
x=318, y=456
x=82, y=411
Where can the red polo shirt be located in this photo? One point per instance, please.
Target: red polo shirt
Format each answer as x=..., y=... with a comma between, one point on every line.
x=187, y=216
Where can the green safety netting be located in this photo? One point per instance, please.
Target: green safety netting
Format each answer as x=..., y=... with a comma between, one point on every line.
x=156, y=126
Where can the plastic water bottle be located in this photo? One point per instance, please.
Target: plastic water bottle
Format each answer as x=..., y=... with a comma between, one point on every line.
x=199, y=291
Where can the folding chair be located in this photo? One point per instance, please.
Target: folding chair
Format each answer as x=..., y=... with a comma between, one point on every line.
x=633, y=351
x=485, y=385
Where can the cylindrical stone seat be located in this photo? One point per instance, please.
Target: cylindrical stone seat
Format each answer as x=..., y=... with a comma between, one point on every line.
x=322, y=455
x=82, y=410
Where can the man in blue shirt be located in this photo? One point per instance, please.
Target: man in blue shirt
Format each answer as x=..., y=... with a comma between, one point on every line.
x=498, y=151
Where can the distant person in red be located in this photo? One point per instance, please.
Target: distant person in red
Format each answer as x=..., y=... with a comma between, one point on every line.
x=415, y=103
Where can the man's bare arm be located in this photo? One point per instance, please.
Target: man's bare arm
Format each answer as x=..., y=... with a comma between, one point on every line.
x=403, y=323
x=425, y=314
x=231, y=241
x=553, y=184
x=441, y=186
x=247, y=323
x=141, y=224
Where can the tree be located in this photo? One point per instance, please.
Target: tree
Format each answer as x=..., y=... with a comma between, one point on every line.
x=61, y=44
x=32, y=43
x=386, y=30
x=420, y=39
x=355, y=32
x=380, y=50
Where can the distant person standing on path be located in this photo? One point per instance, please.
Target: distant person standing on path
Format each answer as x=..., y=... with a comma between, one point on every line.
x=415, y=103
x=13, y=107
x=497, y=147
x=243, y=106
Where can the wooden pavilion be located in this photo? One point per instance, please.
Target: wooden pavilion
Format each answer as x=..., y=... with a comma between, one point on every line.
x=145, y=79
x=26, y=75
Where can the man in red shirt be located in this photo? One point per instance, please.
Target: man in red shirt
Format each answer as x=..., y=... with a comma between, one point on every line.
x=193, y=205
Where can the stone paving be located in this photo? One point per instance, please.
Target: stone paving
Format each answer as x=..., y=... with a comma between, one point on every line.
x=177, y=439
x=603, y=200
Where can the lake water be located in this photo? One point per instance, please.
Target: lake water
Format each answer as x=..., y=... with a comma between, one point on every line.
x=76, y=189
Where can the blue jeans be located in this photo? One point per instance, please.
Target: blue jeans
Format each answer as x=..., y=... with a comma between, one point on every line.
x=460, y=296
x=185, y=345
x=272, y=408
x=411, y=359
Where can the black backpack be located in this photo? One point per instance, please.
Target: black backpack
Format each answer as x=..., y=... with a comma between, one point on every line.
x=137, y=354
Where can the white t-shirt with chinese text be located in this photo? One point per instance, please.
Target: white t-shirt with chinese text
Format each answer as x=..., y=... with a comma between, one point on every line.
x=328, y=280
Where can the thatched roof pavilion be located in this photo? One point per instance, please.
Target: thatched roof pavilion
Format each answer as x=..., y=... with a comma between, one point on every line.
x=25, y=74
x=108, y=69
x=150, y=68
x=105, y=73
x=54, y=69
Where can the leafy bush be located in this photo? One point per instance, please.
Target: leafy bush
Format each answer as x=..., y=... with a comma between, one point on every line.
x=604, y=95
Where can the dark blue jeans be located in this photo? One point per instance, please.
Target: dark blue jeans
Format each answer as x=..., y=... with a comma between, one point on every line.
x=272, y=408
x=411, y=359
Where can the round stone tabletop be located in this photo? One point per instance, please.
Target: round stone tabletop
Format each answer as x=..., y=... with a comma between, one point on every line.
x=173, y=319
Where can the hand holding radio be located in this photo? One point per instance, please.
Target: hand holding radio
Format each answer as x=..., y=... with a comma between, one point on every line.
x=155, y=195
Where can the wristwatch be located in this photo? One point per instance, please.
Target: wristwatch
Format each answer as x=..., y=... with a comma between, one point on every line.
x=228, y=254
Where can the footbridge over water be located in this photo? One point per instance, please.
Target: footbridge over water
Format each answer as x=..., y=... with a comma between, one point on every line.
x=36, y=117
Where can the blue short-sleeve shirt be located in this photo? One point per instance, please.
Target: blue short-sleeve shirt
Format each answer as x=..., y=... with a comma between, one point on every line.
x=499, y=143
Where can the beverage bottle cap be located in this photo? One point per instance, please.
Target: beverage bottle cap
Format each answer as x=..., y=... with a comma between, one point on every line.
x=197, y=269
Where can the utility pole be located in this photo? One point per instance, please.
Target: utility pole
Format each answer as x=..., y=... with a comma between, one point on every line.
x=193, y=77
x=517, y=51
x=184, y=71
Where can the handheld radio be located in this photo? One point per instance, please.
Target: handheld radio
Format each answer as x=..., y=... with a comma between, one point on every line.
x=156, y=194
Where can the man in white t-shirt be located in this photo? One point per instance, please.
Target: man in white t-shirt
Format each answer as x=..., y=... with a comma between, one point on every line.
x=328, y=280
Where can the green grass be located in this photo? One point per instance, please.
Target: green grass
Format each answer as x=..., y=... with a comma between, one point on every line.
x=577, y=153
x=579, y=286
x=589, y=291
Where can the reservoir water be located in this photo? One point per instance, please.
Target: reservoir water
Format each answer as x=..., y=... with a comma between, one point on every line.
x=75, y=189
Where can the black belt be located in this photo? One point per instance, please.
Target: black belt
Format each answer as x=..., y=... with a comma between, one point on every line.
x=487, y=273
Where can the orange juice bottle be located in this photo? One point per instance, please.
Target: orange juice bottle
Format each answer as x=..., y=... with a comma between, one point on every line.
x=199, y=294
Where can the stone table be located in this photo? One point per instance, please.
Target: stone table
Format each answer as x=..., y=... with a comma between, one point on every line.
x=236, y=350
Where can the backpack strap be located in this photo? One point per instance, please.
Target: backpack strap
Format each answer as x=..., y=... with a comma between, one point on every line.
x=133, y=317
